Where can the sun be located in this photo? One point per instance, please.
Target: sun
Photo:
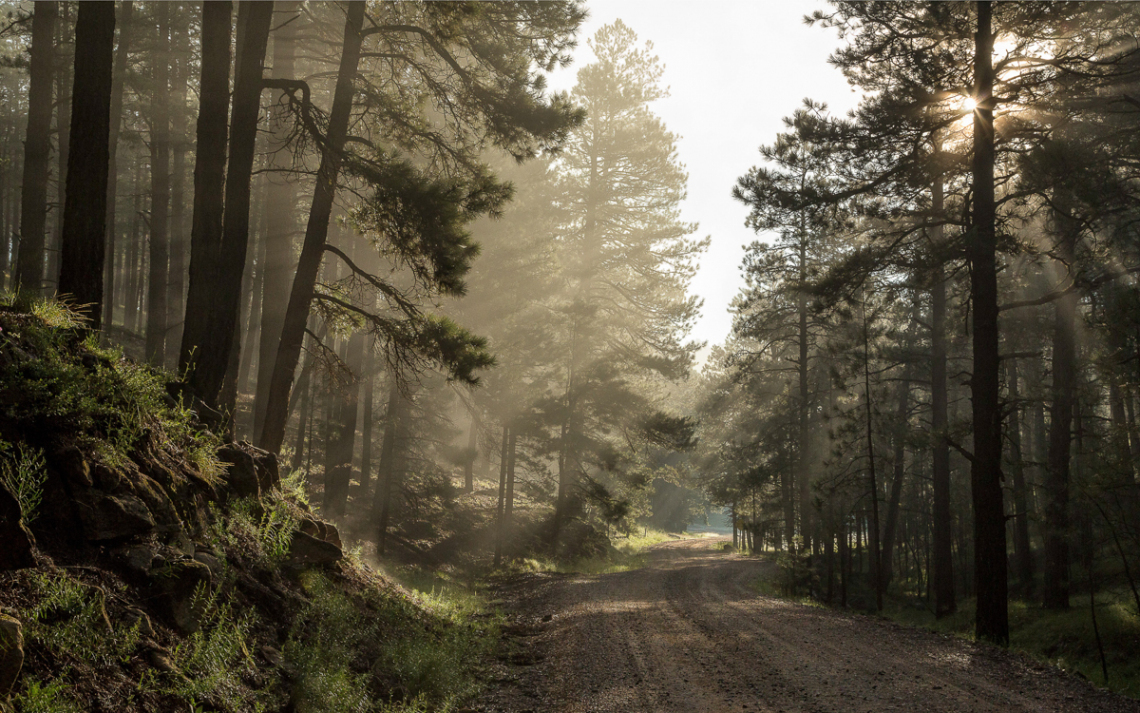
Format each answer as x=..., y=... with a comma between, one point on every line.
x=969, y=104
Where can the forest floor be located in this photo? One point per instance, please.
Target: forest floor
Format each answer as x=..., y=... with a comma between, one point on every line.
x=691, y=631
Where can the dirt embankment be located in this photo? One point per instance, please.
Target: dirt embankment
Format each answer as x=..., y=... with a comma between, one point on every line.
x=690, y=633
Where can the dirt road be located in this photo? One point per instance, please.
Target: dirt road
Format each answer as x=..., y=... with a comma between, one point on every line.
x=689, y=633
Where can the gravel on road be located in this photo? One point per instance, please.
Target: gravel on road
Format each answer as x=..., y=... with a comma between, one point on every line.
x=691, y=632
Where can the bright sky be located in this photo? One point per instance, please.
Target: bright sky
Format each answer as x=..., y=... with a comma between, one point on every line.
x=735, y=68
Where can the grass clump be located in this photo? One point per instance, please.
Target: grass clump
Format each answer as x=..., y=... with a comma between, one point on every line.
x=51, y=697
x=628, y=554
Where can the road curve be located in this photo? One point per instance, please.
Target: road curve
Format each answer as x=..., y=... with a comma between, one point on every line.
x=690, y=633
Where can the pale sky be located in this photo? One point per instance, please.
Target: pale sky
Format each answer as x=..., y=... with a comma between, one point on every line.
x=735, y=68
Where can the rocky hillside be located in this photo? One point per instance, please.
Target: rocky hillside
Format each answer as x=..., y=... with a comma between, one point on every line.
x=146, y=566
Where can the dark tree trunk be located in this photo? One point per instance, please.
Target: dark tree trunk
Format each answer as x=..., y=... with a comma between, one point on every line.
x=215, y=340
x=280, y=211
x=992, y=622
x=63, y=85
x=803, y=467
x=509, y=508
x=316, y=232
x=1056, y=531
x=305, y=390
x=179, y=145
x=890, y=532
x=1023, y=555
x=118, y=76
x=502, y=496
x=159, y=191
x=134, y=256
x=390, y=463
x=472, y=453
x=37, y=151
x=209, y=177
x=343, y=424
x=873, y=488
x=943, y=557
x=367, y=426
x=85, y=210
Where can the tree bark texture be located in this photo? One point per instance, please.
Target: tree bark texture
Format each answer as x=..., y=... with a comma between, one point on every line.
x=209, y=176
x=216, y=341
x=159, y=191
x=85, y=207
x=119, y=73
x=990, y=566
x=316, y=232
x=37, y=152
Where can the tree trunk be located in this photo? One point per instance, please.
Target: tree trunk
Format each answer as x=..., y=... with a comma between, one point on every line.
x=280, y=210
x=305, y=390
x=1023, y=555
x=873, y=488
x=37, y=151
x=502, y=496
x=1056, y=580
x=179, y=145
x=367, y=426
x=390, y=463
x=472, y=453
x=159, y=190
x=343, y=423
x=209, y=177
x=215, y=338
x=509, y=511
x=803, y=468
x=133, y=267
x=891, y=529
x=118, y=76
x=316, y=232
x=85, y=209
x=992, y=622
x=63, y=87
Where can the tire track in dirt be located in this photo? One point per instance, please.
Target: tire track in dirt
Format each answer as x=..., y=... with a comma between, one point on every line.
x=689, y=632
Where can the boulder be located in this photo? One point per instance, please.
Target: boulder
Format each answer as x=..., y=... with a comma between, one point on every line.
x=137, y=559
x=72, y=465
x=180, y=594
x=11, y=653
x=113, y=517
x=241, y=474
x=268, y=474
x=18, y=543
x=158, y=502
x=107, y=478
x=321, y=530
x=210, y=560
x=306, y=550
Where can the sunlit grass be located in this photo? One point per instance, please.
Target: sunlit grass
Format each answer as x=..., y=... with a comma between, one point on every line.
x=629, y=553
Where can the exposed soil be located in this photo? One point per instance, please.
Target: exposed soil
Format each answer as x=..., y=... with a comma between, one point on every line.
x=689, y=632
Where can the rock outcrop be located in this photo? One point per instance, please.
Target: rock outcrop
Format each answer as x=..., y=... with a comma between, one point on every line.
x=18, y=542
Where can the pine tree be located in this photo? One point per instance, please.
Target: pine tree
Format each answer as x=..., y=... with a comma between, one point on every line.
x=626, y=258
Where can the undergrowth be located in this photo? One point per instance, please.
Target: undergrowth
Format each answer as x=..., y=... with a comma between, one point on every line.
x=1061, y=638
x=629, y=553
x=69, y=383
